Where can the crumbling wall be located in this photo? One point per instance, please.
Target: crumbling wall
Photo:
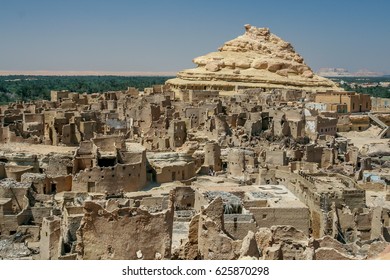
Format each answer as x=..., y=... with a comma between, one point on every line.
x=200, y=200
x=355, y=198
x=70, y=223
x=297, y=128
x=236, y=162
x=172, y=173
x=212, y=156
x=39, y=182
x=305, y=191
x=58, y=95
x=15, y=191
x=5, y=136
x=201, y=95
x=299, y=218
x=87, y=129
x=277, y=158
x=177, y=132
x=184, y=198
x=213, y=242
x=38, y=213
x=57, y=165
x=108, y=143
x=238, y=225
x=60, y=184
x=49, y=244
x=143, y=235
x=125, y=177
x=266, y=177
x=358, y=224
x=16, y=171
x=70, y=134
x=283, y=243
x=308, y=167
x=313, y=153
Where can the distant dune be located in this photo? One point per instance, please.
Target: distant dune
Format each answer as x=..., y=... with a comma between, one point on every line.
x=84, y=73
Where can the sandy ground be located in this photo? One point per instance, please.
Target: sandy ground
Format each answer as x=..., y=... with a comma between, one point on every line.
x=360, y=138
x=385, y=255
x=36, y=149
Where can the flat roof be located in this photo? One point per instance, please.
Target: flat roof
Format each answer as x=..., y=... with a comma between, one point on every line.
x=329, y=184
x=277, y=196
x=36, y=149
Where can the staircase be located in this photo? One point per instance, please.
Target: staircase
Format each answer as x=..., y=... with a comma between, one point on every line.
x=385, y=127
x=384, y=133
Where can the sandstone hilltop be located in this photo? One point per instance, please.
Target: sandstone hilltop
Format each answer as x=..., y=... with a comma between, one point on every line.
x=256, y=59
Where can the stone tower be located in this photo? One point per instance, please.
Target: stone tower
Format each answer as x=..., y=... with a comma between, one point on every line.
x=212, y=157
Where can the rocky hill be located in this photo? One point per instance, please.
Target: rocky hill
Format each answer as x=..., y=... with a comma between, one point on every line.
x=258, y=59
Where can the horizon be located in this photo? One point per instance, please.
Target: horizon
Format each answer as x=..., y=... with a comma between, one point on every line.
x=87, y=73
x=40, y=73
x=163, y=37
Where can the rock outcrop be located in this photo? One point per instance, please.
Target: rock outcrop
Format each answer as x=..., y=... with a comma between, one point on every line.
x=257, y=59
x=288, y=243
x=213, y=242
x=283, y=243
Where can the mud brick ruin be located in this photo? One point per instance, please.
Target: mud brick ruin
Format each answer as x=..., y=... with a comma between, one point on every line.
x=248, y=155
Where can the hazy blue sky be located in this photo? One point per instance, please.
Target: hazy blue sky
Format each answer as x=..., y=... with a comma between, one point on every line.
x=151, y=35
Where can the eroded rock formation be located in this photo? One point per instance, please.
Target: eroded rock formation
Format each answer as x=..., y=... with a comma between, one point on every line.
x=257, y=59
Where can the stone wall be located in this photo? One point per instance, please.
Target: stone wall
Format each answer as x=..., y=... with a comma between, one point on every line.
x=355, y=102
x=277, y=158
x=275, y=216
x=212, y=156
x=184, y=198
x=238, y=225
x=143, y=235
x=200, y=201
x=305, y=191
x=199, y=95
x=175, y=173
x=49, y=244
x=126, y=177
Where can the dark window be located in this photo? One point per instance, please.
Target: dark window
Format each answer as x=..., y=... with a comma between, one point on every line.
x=106, y=162
x=53, y=188
x=91, y=186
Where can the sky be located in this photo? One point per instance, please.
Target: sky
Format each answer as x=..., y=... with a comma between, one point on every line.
x=164, y=36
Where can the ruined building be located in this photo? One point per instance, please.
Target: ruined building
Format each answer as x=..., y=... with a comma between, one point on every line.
x=249, y=155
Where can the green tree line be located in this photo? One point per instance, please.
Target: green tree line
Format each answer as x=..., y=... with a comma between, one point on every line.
x=376, y=91
x=26, y=88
